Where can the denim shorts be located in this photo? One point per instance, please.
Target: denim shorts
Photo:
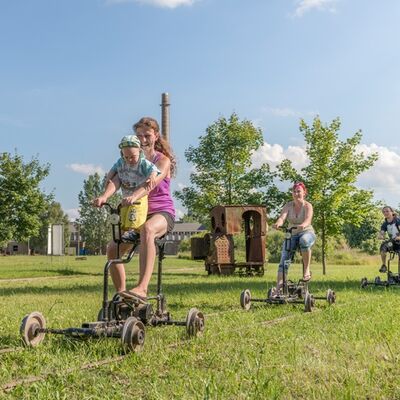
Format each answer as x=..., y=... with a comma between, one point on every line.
x=304, y=240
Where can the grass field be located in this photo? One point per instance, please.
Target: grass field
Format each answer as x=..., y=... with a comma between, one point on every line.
x=345, y=351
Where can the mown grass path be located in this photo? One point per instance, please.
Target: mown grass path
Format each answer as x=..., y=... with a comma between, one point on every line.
x=347, y=351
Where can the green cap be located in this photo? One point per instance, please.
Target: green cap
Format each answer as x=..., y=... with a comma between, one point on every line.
x=129, y=141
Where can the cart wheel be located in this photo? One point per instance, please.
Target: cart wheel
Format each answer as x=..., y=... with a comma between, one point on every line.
x=133, y=335
x=245, y=299
x=308, y=302
x=378, y=280
x=194, y=322
x=100, y=314
x=331, y=296
x=29, y=329
x=364, y=283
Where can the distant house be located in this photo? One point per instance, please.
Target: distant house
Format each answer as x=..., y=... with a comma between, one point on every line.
x=181, y=231
x=76, y=242
x=16, y=248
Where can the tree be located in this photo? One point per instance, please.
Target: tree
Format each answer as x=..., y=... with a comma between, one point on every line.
x=330, y=177
x=224, y=174
x=93, y=221
x=365, y=236
x=22, y=202
x=53, y=214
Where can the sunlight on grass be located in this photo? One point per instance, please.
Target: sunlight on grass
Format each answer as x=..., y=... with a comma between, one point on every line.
x=348, y=350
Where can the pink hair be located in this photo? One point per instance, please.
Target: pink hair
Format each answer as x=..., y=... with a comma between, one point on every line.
x=300, y=184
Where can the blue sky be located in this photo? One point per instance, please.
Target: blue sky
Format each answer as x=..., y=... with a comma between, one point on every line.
x=75, y=76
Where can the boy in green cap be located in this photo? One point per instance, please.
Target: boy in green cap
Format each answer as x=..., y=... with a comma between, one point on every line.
x=133, y=171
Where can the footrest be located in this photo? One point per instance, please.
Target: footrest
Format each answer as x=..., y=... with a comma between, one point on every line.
x=130, y=237
x=131, y=296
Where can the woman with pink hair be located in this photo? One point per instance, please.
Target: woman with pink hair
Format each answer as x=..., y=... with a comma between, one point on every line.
x=299, y=213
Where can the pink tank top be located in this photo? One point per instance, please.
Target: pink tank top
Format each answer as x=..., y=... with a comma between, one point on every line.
x=160, y=199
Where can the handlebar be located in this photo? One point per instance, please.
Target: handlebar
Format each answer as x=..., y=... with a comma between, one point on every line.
x=118, y=208
x=287, y=229
x=111, y=208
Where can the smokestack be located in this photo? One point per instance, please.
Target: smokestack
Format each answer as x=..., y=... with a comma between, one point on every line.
x=165, y=116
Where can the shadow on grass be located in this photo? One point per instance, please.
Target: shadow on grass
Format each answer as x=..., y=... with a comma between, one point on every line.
x=208, y=285
x=12, y=342
x=46, y=290
x=239, y=285
x=68, y=272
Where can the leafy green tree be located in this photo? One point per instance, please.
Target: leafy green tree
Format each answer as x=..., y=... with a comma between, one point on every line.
x=93, y=221
x=365, y=236
x=22, y=202
x=224, y=174
x=53, y=214
x=330, y=177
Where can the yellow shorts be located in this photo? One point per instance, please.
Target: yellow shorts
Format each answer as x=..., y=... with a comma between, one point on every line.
x=134, y=216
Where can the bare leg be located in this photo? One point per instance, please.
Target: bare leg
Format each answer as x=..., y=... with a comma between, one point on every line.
x=117, y=271
x=279, y=281
x=383, y=257
x=306, y=255
x=154, y=227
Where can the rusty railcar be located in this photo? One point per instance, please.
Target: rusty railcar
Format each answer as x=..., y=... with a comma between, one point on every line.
x=217, y=247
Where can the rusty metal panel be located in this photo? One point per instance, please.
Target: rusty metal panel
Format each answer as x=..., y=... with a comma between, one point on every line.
x=221, y=250
x=228, y=219
x=199, y=248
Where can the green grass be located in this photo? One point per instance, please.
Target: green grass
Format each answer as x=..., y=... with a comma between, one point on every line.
x=346, y=351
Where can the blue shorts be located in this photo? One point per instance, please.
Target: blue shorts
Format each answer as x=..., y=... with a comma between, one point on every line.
x=304, y=240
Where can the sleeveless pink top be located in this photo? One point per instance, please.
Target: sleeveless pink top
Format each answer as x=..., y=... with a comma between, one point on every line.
x=160, y=199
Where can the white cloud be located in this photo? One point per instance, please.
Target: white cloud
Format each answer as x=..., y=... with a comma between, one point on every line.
x=304, y=6
x=275, y=153
x=286, y=112
x=179, y=213
x=73, y=213
x=157, y=3
x=383, y=178
x=86, y=169
x=281, y=112
x=13, y=122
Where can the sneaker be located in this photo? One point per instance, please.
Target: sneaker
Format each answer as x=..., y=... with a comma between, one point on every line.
x=383, y=269
x=130, y=237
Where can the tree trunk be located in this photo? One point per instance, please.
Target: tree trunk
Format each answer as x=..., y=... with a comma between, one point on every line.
x=323, y=237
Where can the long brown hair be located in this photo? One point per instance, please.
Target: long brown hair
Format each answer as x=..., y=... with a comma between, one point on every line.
x=394, y=214
x=161, y=144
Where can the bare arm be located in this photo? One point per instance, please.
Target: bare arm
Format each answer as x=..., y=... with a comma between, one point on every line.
x=112, y=185
x=279, y=222
x=163, y=164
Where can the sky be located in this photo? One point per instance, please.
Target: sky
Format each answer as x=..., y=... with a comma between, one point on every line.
x=76, y=75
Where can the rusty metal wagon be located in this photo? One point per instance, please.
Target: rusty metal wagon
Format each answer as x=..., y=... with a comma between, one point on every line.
x=217, y=248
